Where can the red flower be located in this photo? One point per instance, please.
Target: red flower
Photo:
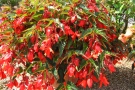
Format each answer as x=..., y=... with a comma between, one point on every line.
x=33, y=38
x=87, y=54
x=36, y=47
x=83, y=83
x=41, y=56
x=2, y=75
x=111, y=68
x=34, y=68
x=111, y=37
x=93, y=7
x=75, y=60
x=93, y=1
x=47, y=13
x=68, y=30
x=103, y=80
x=89, y=82
x=71, y=70
x=30, y=55
x=38, y=83
x=94, y=78
x=19, y=11
x=22, y=86
x=82, y=23
x=30, y=87
x=18, y=25
x=50, y=87
x=45, y=44
x=84, y=73
x=7, y=56
x=48, y=31
x=73, y=18
x=26, y=80
x=10, y=70
x=48, y=51
x=97, y=48
x=104, y=9
x=75, y=35
x=91, y=41
x=10, y=84
x=100, y=25
x=15, y=83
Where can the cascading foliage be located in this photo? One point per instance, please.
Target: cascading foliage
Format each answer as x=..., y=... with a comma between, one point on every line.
x=49, y=41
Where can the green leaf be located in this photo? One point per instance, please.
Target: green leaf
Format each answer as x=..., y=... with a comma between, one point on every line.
x=28, y=32
x=34, y=2
x=110, y=53
x=71, y=86
x=61, y=47
x=82, y=64
x=121, y=7
x=133, y=1
x=131, y=54
x=94, y=31
x=55, y=72
x=50, y=22
x=51, y=62
x=11, y=16
x=40, y=69
x=78, y=52
x=60, y=87
x=37, y=16
x=94, y=64
x=85, y=47
x=75, y=1
x=101, y=33
x=69, y=43
x=101, y=58
x=86, y=32
x=85, y=9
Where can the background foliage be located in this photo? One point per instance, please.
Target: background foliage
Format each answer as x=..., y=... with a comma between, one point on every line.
x=9, y=2
x=49, y=40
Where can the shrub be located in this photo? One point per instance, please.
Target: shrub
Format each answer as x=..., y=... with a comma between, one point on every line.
x=44, y=42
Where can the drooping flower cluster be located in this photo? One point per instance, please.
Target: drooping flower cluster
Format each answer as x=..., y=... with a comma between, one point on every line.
x=45, y=42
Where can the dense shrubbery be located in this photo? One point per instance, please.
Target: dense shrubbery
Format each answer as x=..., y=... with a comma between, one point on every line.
x=69, y=42
x=9, y=2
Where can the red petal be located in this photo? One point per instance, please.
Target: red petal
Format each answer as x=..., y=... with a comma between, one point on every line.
x=103, y=80
x=89, y=82
x=33, y=39
x=71, y=70
x=36, y=47
x=10, y=71
x=73, y=18
x=84, y=83
x=15, y=83
x=82, y=23
x=30, y=87
x=41, y=57
x=94, y=78
x=50, y=88
x=52, y=80
x=111, y=68
x=48, y=52
x=38, y=83
x=30, y=55
x=26, y=80
x=10, y=84
x=22, y=86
